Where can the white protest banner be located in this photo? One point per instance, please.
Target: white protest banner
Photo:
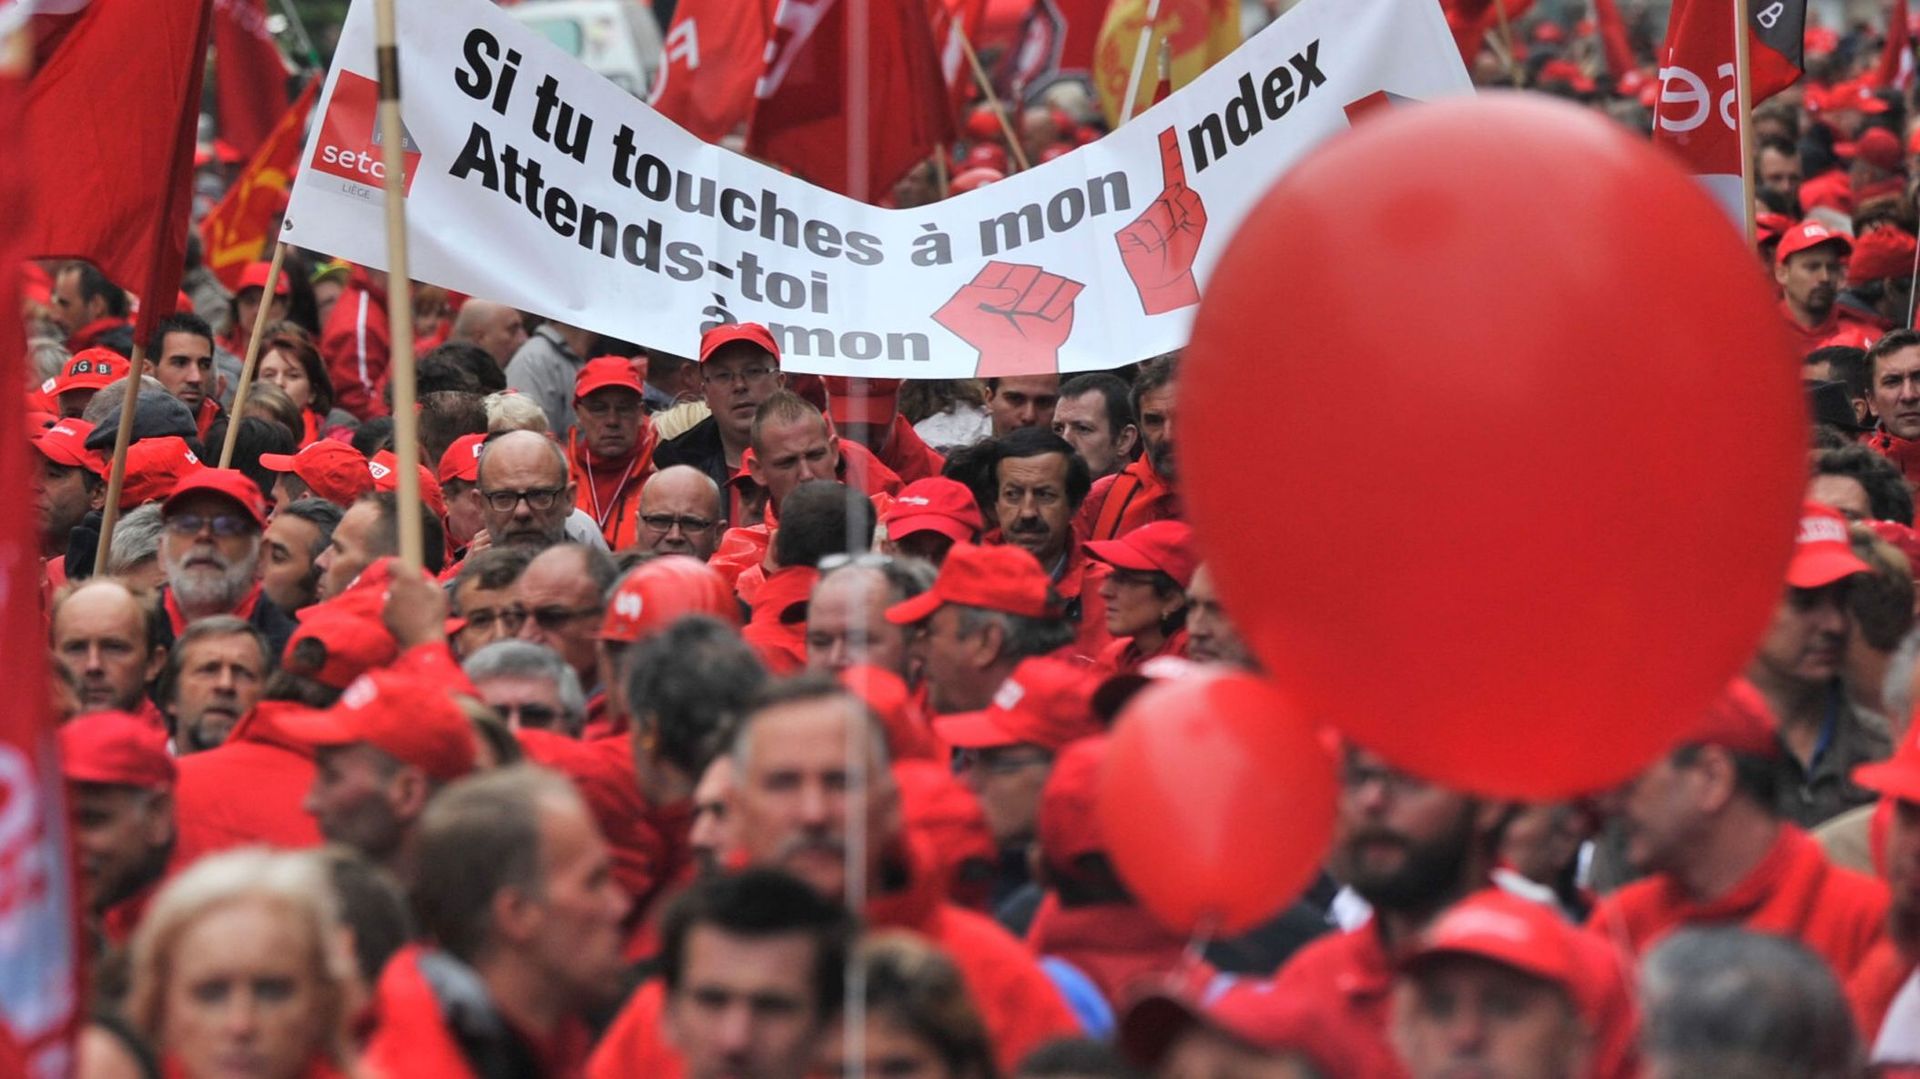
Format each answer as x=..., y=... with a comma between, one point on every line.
x=535, y=183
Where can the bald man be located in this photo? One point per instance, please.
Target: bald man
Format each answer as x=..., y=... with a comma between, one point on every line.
x=680, y=512
x=525, y=493
x=495, y=328
x=101, y=635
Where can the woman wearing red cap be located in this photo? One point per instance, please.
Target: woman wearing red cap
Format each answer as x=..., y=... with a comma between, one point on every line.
x=240, y=968
x=1146, y=592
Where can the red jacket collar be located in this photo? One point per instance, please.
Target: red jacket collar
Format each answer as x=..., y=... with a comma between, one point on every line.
x=782, y=591
x=262, y=725
x=242, y=610
x=88, y=336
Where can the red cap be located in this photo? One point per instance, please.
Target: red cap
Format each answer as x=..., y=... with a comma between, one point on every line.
x=408, y=718
x=1904, y=539
x=1738, y=720
x=334, y=470
x=1808, y=234
x=739, y=331
x=154, y=467
x=384, y=466
x=659, y=592
x=935, y=504
x=117, y=748
x=65, y=443
x=1770, y=226
x=1161, y=547
x=909, y=733
x=976, y=177
x=982, y=123
x=1044, y=702
x=462, y=460
x=349, y=630
x=1822, y=553
x=222, y=481
x=1883, y=252
x=1069, y=819
x=984, y=155
x=872, y=401
x=89, y=369
x=1880, y=148
x=255, y=276
x=1855, y=95
x=1899, y=776
x=999, y=578
x=602, y=372
x=1528, y=936
x=1251, y=1012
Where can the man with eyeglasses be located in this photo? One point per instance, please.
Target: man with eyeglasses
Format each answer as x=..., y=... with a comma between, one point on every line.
x=483, y=599
x=530, y=686
x=611, y=447
x=527, y=495
x=680, y=513
x=210, y=551
x=990, y=608
x=739, y=369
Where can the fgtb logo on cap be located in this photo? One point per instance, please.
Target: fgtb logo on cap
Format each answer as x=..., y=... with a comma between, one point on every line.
x=627, y=605
x=360, y=694
x=1822, y=530
x=349, y=143
x=380, y=471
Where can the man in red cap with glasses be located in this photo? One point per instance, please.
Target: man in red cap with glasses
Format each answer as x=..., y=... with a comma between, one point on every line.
x=1703, y=822
x=120, y=788
x=740, y=368
x=210, y=549
x=990, y=608
x=326, y=469
x=1798, y=668
x=611, y=446
x=1809, y=265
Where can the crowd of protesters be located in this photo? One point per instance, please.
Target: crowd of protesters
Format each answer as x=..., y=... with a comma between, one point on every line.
x=749, y=724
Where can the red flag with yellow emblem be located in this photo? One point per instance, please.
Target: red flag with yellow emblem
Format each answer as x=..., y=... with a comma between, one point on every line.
x=1197, y=33
x=240, y=229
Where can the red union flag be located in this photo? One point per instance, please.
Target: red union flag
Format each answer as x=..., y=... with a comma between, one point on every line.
x=800, y=112
x=713, y=56
x=250, y=79
x=38, y=931
x=1695, y=117
x=349, y=142
x=237, y=230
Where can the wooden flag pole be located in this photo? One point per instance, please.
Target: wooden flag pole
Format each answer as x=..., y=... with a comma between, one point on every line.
x=1141, y=45
x=1506, y=39
x=117, y=474
x=1743, y=111
x=252, y=359
x=993, y=101
x=406, y=424
x=940, y=180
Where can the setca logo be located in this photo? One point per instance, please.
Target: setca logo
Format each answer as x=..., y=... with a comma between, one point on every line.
x=349, y=143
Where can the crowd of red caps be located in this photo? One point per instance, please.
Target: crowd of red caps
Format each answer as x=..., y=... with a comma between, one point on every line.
x=731, y=697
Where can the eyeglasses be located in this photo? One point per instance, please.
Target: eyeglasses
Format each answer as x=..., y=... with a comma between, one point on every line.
x=554, y=618
x=626, y=406
x=224, y=525
x=667, y=522
x=1136, y=578
x=998, y=761
x=1357, y=777
x=529, y=715
x=746, y=376
x=539, y=499
x=510, y=617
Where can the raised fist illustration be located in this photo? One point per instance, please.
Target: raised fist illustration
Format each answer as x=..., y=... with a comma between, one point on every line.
x=1017, y=316
x=1158, y=248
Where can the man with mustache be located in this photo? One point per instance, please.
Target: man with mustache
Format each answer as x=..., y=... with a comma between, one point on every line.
x=1809, y=265
x=213, y=677
x=214, y=518
x=1038, y=483
x=1410, y=849
x=1144, y=491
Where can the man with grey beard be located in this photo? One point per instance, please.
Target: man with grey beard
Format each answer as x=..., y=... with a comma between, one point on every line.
x=210, y=551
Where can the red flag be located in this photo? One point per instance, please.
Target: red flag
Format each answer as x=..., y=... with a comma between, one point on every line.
x=1896, y=58
x=108, y=138
x=800, y=108
x=39, y=930
x=238, y=229
x=713, y=55
x=251, y=79
x=950, y=19
x=1695, y=114
x=1613, y=37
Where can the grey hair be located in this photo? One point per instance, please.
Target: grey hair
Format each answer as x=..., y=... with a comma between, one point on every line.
x=524, y=659
x=1738, y=1005
x=808, y=688
x=906, y=577
x=1024, y=637
x=136, y=538
x=47, y=356
x=513, y=412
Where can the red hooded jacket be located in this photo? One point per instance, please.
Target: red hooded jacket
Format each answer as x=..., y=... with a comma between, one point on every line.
x=1794, y=892
x=1122, y=502
x=249, y=789
x=356, y=344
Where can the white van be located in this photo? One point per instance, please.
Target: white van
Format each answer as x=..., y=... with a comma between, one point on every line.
x=619, y=39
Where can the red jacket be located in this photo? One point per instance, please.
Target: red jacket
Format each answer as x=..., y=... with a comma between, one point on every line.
x=248, y=790
x=410, y=1035
x=1807, y=338
x=908, y=455
x=1900, y=451
x=1079, y=585
x=1349, y=977
x=1118, y=945
x=774, y=631
x=1794, y=892
x=1124, y=655
x=1016, y=999
x=609, y=492
x=356, y=344
x=1122, y=502
x=1875, y=982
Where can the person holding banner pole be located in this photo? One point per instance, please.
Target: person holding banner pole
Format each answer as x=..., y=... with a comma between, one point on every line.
x=252, y=358
x=406, y=437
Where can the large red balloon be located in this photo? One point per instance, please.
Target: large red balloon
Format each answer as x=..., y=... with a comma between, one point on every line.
x=1492, y=438
x=1216, y=801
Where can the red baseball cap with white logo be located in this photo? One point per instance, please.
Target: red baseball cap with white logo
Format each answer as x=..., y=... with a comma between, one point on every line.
x=411, y=719
x=1044, y=702
x=333, y=470
x=384, y=466
x=88, y=369
x=1523, y=934
x=1822, y=552
x=462, y=460
x=661, y=591
x=65, y=443
x=230, y=482
x=154, y=467
x=606, y=372
x=720, y=336
x=935, y=504
x=1805, y=235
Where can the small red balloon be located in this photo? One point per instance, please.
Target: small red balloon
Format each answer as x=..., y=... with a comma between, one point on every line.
x=1527, y=439
x=1216, y=802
